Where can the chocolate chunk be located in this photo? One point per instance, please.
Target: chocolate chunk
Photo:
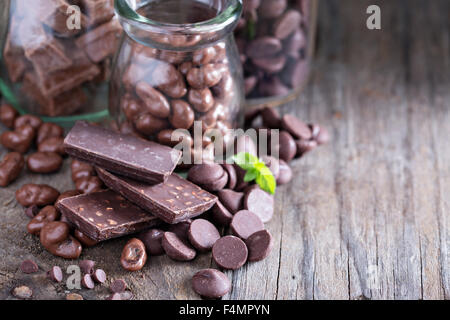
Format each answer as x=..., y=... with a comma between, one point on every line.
x=259, y=245
x=230, y=252
x=259, y=202
x=118, y=286
x=211, y=283
x=104, y=215
x=29, y=266
x=176, y=248
x=123, y=154
x=245, y=223
x=55, y=274
x=203, y=234
x=152, y=241
x=173, y=201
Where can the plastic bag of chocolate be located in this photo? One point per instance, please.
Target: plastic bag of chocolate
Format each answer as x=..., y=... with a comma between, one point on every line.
x=57, y=55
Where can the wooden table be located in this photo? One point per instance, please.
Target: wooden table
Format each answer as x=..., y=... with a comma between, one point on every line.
x=367, y=217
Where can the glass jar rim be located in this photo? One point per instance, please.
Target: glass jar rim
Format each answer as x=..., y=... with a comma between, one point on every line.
x=221, y=21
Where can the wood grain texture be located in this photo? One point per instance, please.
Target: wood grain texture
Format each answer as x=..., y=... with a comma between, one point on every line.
x=366, y=217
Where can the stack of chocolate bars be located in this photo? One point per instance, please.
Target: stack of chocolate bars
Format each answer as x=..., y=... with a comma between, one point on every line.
x=53, y=57
x=144, y=191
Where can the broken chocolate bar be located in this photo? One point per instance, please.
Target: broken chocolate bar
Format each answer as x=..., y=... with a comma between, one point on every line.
x=105, y=215
x=174, y=201
x=122, y=154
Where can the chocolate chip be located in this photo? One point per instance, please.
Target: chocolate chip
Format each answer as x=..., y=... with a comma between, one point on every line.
x=87, y=282
x=245, y=223
x=232, y=200
x=285, y=175
x=211, y=283
x=297, y=128
x=44, y=162
x=55, y=274
x=287, y=148
x=259, y=245
x=114, y=296
x=206, y=173
x=10, y=168
x=36, y=194
x=176, y=248
x=118, y=286
x=230, y=252
x=203, y=234
x=133, y=256
x=232, y=176
x=181, y=229
x=221, y=215
x=87, y=266
x=305, y=146
x=99, y=276
x=260, y=203
x=152, y=241
x=22, y=292
x=271, y=118
x=29, y=266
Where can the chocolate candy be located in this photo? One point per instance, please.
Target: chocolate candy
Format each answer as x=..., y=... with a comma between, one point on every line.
x=46, y=215
x=99, y=276
x=176, y=248
x=230, y=252
x=28, y=119
x=203, y=234
x=211, y=283
x=104, y=215
x=232, y=200
x=123, y=154
x=118, y=286
x=181, y=229
x=245, y=223
x=36, y=194
x=285, y=175
x=319, y=134
x=210, y=176
x=87, y=282
x=81, y=169
x=44, y=162
x=54, y=145
x=49, y=130
x=173, y=201
x=259, y=245
x=55, y=274
x=19, y=140
x=8, y=115
x=55, y=237
x=89, y=185
x=305, y=146
x=155, y=102
x=29, y=266
x=221, y=215
x=68, y=194
x=32, y=211
x=182, y=116
x=232, y=176
x=287, y=148
x=10, y=168
x=87, y=266
x=260, y=203
x=271, y=118
x=297, y=128
x=152, y=241
x=133, y=256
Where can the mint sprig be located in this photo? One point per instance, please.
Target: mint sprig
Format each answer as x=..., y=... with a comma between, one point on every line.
x=256, y=170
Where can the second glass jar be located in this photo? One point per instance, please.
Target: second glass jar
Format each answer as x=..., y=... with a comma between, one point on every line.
x=178, y=63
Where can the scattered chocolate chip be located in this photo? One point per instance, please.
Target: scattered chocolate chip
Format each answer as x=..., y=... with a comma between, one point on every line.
x=152, y=241
x=221, y=215
x=259, y=245
x=55, y=274
x=176, y=248
x=232, y=200
x=99, y=276
x=211, y=283
x=260, y=203
x=87, y=266
x=87, y=282
x=203, y=234
x=245, y=223
x=118, y=286
x=29, y=266
x=230, y=252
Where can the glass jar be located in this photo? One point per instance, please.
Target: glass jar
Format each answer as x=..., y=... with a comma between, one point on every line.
x=178, y=71
x=57, y=56
x=276, y=42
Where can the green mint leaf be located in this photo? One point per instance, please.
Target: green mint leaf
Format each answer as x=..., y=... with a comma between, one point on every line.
x=267, y=182
x=250, y=175
x=245, y=160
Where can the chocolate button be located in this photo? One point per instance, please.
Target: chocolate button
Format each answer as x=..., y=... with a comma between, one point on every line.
x=211, y=283
x=285, y=175
x=177, y=249
x=221, y=215
x=232, y=200
x=287, y=148
x=260, y=203
x=152, y=241
x=245, y=223
x=181, y=229
x=205, y=173
x=232, y=177
x=259, y=245
x=230, y=252
x=271, y=118
x=297, y=128
x=203, y=234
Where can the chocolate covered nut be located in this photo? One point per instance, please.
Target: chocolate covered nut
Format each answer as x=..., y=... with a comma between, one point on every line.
x=232, y=200
x=44, y=162
x=230, y=252
x=285, y=175
x=176, y=248
x=118, y=286
x=55, y=274
x=155, y=102
x=245, y=223
x=206, y=173
x=287, y=23
x=87, y=282
x=263, y=47
x=211, y=283
x=19, y=140
x=8, y=115
x=152, y=241
x=55, y=237
x=169, y=137
x=319, y=134
x=259, y=245
x=133, y=256
x=201, y=99
x=260, y=203
x=28, y=119
x=182, y=116
x=89, y=184
x=181, y=229
x=305, y=146
x=206, y=76
x=271, y=118
x=170, y=80
x=68, y=194
x=270, y=65
x=46, y=215
x=10, y=168
x=232, y=176
x=297, y=128
x=74, y=296
x=36, y=194
x=87, y=266
x=84, y=239
x=22, y=292
x=204, y=56
x=32, y=211
x=203, y=234
x=272, y=8
x=99, y=276
x=54, y=145
x=81, y=169
x=185, y=67
x=29, y=266
x=149, y=125
x=49, y=130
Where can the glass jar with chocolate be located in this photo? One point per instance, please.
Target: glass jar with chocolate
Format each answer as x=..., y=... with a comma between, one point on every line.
x=57, y=57
x=177, y=74
x=276, y=43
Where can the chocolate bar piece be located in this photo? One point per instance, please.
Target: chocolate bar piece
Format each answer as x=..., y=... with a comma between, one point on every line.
x=101, y=42
x=105, y=215
x=123, y=154
x=98, y=11
x=174, y=201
